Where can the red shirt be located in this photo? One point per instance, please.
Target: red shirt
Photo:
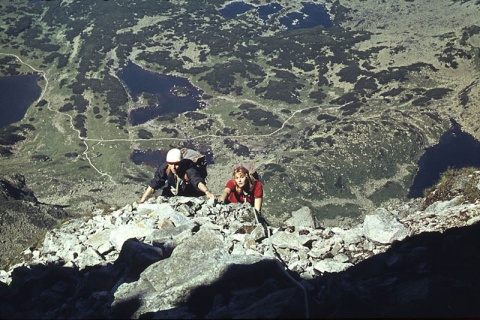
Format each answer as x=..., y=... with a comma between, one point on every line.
x=234, y=197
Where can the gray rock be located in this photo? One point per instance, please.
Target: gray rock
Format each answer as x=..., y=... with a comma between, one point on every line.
x=163, y=285
x=283, y=239
x=441, y=207
x=384, y=229
x=302, y=218
x=124, y=232
x=331, y=266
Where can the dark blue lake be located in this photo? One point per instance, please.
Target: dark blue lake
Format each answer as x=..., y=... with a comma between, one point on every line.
x=456, y=149
x=17, y=94
x=265, y=11
x=172, y=94
x=311, y=15
x=234, y=9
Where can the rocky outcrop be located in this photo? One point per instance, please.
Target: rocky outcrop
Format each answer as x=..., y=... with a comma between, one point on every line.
x=23, y=220
x=191, y=258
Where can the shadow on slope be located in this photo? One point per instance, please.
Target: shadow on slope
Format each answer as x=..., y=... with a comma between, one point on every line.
x=427, y=275
x=55, y=291
x=259, y=290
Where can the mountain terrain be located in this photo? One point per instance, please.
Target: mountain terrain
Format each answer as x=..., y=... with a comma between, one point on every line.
x=188, y=258
x=336, y=117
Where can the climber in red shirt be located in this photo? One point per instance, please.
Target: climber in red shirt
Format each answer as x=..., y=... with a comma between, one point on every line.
x=243, y=188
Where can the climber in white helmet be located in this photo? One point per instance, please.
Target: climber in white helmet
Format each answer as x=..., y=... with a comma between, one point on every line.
x=177, y=176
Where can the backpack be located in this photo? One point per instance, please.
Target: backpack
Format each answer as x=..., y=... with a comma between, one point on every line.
x=253, y=171
x=198, y=159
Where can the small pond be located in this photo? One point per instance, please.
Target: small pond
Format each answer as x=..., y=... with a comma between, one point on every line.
x=151, y=158
x=165, y=93
x=17, y=94
x=311, y=15
x=233, y=9
x=154, y=158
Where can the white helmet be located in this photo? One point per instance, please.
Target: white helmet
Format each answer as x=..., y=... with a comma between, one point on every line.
x=174, y=156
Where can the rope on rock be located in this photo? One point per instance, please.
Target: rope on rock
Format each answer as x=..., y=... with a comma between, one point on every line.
x=284, y=267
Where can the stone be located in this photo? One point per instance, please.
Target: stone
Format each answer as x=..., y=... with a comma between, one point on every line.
x=301, y=218
x=330, y=266
x=384, y=229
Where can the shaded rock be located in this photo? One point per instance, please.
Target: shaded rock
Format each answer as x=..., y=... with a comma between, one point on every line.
x=164, y=285
x=421, y=276
x=23, y=220
x=14, y=187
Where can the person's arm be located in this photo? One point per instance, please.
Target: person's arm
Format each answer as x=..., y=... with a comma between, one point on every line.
x=196, y=179
x=258, y=204
x=202, y=187
x=258, y=194
x=225, y=194
x=157, y=182
x=147, y=194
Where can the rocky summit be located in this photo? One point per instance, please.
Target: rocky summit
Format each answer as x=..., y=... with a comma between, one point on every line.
x=191, y=258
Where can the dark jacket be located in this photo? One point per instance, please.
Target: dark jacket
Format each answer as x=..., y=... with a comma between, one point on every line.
x=187, y=187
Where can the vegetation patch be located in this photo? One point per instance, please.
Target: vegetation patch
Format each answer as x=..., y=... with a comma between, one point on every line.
x=237, y=148
x=390, y=190
x=41, y=158
x=260, y=117
x=144, y=134
x=454, y=182
x=337, y=211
